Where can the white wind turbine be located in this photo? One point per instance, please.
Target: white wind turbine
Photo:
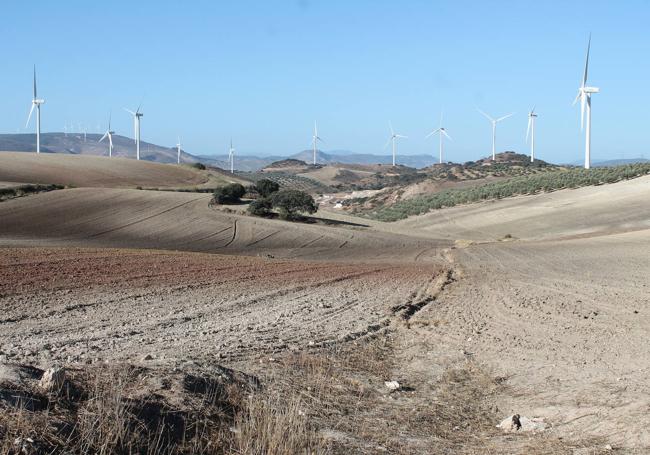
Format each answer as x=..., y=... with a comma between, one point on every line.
x=137, y=116
x=393, y=140
x=530, y=131
x=314, y=140
x=584, y=95
x=178, y=150
x=231, y=158
x=494, y=129
x=36, y=103
x=108, y=134
x=443, y=132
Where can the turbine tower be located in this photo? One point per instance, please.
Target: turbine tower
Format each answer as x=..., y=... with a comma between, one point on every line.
x=443, y=132
x=314, y=140
x=36, y=103
x=178, y=149
x=393, y=140
x=494, y=130
x=231, y=158
x=530, y=131
x=584, y=95
x=137, y=116
x=109, y=134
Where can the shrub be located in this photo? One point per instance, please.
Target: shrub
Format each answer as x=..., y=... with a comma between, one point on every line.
x=229, y=194
x=291, y=202
x=260, y=207
x=199, y=166
x=266, y=187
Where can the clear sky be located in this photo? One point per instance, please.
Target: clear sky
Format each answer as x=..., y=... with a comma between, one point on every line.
x=263, y=71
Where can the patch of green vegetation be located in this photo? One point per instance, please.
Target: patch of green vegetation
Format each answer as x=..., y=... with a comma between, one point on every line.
x=24, y=190
x=528, y=184
x=289, y=181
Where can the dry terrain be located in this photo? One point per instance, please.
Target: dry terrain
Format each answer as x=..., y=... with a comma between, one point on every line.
x=533, y=305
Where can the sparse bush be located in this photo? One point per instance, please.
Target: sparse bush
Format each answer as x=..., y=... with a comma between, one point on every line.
x=228, y=194
x=199, y=166
x=266, y=187
x=290, y=203
x=260, y=207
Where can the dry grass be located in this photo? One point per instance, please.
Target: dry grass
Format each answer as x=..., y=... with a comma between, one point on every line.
x=330, y=400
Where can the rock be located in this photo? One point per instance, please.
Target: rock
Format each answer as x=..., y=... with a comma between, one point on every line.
x=516, y=423
x=392, y=385
x=147, y=357
x=52, y=380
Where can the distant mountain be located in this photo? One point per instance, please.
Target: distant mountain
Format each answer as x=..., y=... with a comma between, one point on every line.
x=75, y=144
x=340, y=156
x=247, y=163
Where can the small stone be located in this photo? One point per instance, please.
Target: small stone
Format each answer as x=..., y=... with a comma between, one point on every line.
x=392, y=385
x=147, y=357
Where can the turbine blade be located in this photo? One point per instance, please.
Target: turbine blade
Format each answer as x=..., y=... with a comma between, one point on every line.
x=530, y=120
x=34, y=81
x=486, y=116
x=446, y=135
x=29, y=117
x=432, y=133
x=390, y=125
x=441, y=118
x=129, y=111
x=504, y=117
x=400, y=136
x=103, y=137
x=387, y=143
x=110, y=140
x=584, y=77
x=577, y=98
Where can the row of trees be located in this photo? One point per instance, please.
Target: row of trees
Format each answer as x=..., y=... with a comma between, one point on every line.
x=289, y=204
x=531, y=184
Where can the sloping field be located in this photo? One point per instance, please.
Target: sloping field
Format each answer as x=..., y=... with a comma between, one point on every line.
x=588, y=211
x=93, y=171
x=119, y=218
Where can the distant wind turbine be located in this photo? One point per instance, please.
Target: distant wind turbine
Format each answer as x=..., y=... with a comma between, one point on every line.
x=231, y=158
x=584, y=95
x=314, y=140
x=393, y=140
x=443, y=132
x=137, y=116
x=494, y=129
x=530, y=131
x=109, y=134
x=36, y=103
x=178, y=151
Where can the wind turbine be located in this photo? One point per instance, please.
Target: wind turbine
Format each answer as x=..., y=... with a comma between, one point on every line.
x=231, y=157
x=530, y=131
x=443, y=132
x=494, y=129
x=314, y=140
x=36, y=103
x=109, y=134
x=178, y=149
x=393, y=140
x=137, y=116
x=584, y=95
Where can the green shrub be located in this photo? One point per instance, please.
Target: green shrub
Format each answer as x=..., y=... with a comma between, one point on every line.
x=260, y=207
x=266, y=187
x=228, y=194
x=290, y=203
x=199, y=166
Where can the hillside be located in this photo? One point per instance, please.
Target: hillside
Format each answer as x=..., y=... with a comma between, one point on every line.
x=96, y=171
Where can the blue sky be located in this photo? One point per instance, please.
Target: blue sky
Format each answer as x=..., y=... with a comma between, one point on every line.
x=263, y=71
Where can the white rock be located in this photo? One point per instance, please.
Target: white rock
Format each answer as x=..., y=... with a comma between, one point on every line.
x=52, y=380
x=392, y=385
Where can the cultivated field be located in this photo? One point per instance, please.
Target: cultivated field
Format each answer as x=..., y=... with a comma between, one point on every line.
x=533, y=305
